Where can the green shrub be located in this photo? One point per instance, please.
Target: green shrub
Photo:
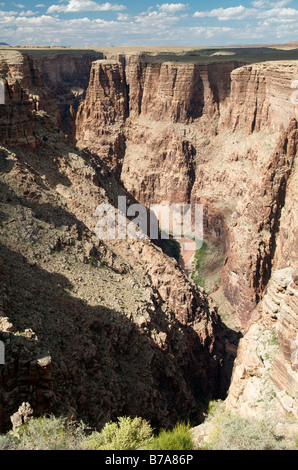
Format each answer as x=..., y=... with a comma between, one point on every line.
x=126, y=434
x=177, y=439
x=48, y=433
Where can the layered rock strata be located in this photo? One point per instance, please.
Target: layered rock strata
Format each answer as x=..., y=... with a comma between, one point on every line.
x=261, y=97
x=100, y=119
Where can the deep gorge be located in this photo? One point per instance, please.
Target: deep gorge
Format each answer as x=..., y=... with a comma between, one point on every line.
x=79, y=128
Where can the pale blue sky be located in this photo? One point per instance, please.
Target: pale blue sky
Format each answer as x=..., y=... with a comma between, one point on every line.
x=193, y=23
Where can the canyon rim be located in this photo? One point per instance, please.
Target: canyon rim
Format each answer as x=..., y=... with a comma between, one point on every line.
x=95, y=328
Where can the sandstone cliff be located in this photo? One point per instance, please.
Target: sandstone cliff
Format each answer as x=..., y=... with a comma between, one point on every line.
x=54, y=83
x=100, y=119
x=256, y=225
x=16, y=117
x=261, y=97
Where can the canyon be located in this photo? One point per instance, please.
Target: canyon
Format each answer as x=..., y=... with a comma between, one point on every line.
x=81, y=127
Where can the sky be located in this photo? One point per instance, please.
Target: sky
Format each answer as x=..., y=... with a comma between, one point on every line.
x=84, y=23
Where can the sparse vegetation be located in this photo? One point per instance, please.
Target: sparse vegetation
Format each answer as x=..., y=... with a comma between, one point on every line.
x=92, y=261
x=45, y=433
x=227, y=430
x=56, y=433
x=230, y=431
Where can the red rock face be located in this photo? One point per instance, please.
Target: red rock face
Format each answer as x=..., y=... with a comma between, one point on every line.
x=100, y=119
x=249, y=258
x=261, y=97
x=16, y=119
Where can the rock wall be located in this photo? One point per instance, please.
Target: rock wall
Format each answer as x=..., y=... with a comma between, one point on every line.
x=265, y=377
x=16, y=119
x=100, y=119
x=285, y=365
x=53, y=83
x=177, y=92
x=256, y=225
x=261, y=97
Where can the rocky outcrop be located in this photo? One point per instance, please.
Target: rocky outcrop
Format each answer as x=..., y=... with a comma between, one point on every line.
x=22, y=416
x=264, y=381
x=55, y=83
x=285, y=365
x=100, y=119
x=260, y=97
x=286, y=253
x=16, y=119
x=255, y=228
